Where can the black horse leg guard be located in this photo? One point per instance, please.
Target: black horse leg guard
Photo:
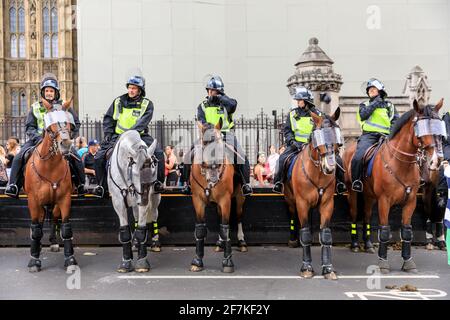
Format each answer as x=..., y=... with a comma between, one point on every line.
x=141, y=235
x=36, y=236
x=384, y=235
x=125, y=240
x=67, y=236
x=306, y=241
x=366, y=236
x=224, y=233
x=326, y=240
x=406, y=235
x=354, y=236
x=200, y=235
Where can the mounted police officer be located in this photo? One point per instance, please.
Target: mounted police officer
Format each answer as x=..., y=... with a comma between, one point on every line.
x=215, y=107
x=34, y=129
x=376, y=116
x=131, y=111
x=297, y=130
x=442, y=188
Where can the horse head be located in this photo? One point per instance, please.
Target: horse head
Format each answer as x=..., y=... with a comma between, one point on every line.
x=429, y=130
x=326, y=139
x=58, y=126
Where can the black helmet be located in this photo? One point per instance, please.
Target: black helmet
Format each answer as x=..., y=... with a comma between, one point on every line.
x=49, y=81
x=301, y=93
x=215, y=83
x=377, y=84
x=138, y=81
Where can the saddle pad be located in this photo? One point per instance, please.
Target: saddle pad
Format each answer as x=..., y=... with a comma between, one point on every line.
x=291, y=166
x=371, y=161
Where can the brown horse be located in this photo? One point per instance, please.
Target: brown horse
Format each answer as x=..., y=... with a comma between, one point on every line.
x=312, y=185
x=395, y=178
x=213, y=181
x=48, y=183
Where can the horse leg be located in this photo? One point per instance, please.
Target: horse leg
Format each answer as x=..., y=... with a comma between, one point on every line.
x=200, y=235
x=54, y=228
x=353, y=203
x=293, y=242
x=326, y=239
x=37, y=219
x=368, y=205
x=306, y=270
x=152, y=225
x=224, y=233
x=141, y=237
x=384, y=234
x=125, y=237
x=406, y=236
x=66, y=233
x=240, y=234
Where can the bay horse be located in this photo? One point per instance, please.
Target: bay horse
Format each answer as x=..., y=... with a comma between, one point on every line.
x=395, y=178
x=213, y=180
x=131, y=173
x=312, y=185
x=48, y=183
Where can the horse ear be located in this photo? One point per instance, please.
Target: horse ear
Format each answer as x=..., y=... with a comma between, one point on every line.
x=336, y=114
x=66, y=104
x=315, y=118
x=152, y=148
x=439, y=105
x=219, y=125
x=416, y=106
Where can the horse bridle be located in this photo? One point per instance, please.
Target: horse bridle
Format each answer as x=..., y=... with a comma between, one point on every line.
x=130, y=188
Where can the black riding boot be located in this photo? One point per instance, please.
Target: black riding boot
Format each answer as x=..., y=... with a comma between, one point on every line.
x=340, y=180
x=244, y=172
x=158, y=186
x=101, y=190
x=15, y=178
x=77, y=170
x=187, y=174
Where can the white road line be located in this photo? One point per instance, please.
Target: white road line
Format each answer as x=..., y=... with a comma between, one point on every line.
x=283, y=277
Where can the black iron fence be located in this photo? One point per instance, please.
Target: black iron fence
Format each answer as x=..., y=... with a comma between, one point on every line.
x=255, y=135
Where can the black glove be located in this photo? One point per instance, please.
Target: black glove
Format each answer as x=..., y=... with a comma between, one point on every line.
x=325, y=97
x=296, y=144
x=107, y=139
x=214, y=100
x=37, y=139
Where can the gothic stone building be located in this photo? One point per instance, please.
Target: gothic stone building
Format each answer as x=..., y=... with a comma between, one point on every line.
x=36, y=37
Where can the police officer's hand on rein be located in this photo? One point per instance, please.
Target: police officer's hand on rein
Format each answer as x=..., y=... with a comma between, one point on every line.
x=297, y=144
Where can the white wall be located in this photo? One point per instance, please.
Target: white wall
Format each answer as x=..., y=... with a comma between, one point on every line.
x=253, y=45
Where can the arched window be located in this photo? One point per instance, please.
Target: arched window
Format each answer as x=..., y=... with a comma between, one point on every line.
x=15, y=104
x=23, y=103
x=17, y=30
x=50, y=30
x=47, y=48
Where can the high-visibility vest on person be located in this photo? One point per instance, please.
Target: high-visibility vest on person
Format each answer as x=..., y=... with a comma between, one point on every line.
x=379, y=121
x=213, y=114
x=39, y=112
x=127, y=117
x=302, y=127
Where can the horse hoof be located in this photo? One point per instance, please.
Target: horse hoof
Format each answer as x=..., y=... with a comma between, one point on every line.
x=70, y=262
x=34, y=269
x=384, y=266
x=125, y=266
x=441, y=245
x=293, y=244
x=155, y=249
x=354, y=249
x=227, y=269
x=218, y=249
x=370, y=250
x=54, y=248
x=409, y=266
x=429, y=246
x=195, y=268
x=307, y=274
x=330, y=276
x=142, y=265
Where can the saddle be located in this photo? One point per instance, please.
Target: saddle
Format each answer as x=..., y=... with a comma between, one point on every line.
x=289, y=164
x=369, y=158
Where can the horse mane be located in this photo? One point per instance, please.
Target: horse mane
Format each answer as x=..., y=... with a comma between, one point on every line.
x=401, y=122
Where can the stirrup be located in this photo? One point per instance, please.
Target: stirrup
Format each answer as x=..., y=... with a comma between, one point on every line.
x=186, y=190
x=99, y=192
x=278, y=188
x=341, y=188
x=357, y=186
x=158, y=187
x=12, y=193
x=247, y=189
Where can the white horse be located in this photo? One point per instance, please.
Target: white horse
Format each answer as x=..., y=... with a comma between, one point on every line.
x=131, y=173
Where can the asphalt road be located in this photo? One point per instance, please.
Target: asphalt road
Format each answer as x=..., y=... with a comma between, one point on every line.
x=265, y=272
